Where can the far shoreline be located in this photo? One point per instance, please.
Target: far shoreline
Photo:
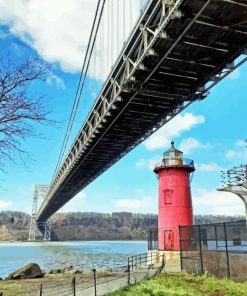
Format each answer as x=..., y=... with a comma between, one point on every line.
x=66, y=241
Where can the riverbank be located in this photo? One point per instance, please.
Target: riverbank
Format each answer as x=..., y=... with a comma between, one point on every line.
x=57, y=283
x=165, y=284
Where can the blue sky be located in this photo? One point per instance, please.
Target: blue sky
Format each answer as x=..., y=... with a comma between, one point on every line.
x=211, y=132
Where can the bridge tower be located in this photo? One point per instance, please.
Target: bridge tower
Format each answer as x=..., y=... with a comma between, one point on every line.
x=175, y=205
x=40, y=192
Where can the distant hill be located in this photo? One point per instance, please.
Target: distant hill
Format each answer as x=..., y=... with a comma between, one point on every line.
x=92, y=226
x=14, y=226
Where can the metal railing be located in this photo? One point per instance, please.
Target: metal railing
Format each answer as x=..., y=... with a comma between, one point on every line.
x=175, y=161
x=146, y=259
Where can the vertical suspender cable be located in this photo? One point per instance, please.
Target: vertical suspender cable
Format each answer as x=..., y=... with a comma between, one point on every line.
x=99, y=51
x=94, y=74
x=131, y=16
x=118, y=45
x=124, y=20
x=93, y=43
x=102, y=49
x=78, y=92
x=112, y=32
x=108, y=36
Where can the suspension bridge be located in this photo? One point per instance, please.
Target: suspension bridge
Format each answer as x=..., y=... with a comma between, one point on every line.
x=172, y=54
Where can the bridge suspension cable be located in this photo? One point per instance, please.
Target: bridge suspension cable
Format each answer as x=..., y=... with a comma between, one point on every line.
x=83, y=74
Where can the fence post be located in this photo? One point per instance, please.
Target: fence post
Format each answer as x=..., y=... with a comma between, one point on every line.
x=149, y=239
x=200, y=246
x=180, y=246
x=227, y=255
x=95, y=283
x=216, y=237
x=128, y=273
x=73, y=285
x=40, y=291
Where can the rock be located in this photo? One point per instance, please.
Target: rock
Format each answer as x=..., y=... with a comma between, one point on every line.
x=104, y=270
x=54, y=271
x=67, y=269
x=87, y=270
x=73, y=271
x=29, y=271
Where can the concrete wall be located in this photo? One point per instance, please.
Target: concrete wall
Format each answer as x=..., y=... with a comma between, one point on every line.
x=171, y=260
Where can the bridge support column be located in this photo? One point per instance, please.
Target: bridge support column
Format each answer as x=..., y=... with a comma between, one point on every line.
x=47, y=230
x=40, y=192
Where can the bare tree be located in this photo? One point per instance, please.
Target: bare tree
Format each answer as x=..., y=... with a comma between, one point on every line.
x=19, y=109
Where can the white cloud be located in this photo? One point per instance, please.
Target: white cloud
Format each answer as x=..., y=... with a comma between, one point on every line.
x=234, y=75
x=173, y=129
x=148, y=163
x=217, y=203
x=239, y=154
x=54, y=79
x=230, y=154
x=144, y=204
x=59, y=29
x=5, y=204
x=241, y=143
x=189, y=144
x=209, y=167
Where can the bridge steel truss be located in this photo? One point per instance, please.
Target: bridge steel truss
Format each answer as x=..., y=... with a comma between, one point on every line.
x=178, y=50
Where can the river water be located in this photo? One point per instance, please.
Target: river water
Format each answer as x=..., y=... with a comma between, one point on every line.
x=79, y=254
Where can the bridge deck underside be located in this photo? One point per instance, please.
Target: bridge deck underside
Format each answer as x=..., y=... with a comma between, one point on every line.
x=197, y=46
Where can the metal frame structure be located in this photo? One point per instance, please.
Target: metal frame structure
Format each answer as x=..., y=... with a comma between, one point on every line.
x=40, y=191
x=178, y=50
x=235, y=181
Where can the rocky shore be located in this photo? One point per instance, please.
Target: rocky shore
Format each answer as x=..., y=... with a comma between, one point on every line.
x=31, y=280
x=33, y=271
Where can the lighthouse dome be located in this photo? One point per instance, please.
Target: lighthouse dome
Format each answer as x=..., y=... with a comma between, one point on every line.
x=173, y=156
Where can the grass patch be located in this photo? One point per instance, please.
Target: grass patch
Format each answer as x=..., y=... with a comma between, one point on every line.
x=180, y=284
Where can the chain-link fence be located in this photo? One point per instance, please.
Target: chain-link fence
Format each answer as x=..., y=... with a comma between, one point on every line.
x=216, y=249
x=94, y=282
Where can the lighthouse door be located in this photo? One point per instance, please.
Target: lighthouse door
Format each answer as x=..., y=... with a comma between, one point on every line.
x=169, y=240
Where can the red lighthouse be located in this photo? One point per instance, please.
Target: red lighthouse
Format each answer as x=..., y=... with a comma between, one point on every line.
x=175, y=205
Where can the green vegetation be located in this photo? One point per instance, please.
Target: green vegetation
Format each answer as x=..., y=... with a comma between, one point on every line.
x=178, y=284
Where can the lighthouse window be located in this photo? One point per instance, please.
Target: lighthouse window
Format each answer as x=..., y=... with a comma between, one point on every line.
x=167, y=196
